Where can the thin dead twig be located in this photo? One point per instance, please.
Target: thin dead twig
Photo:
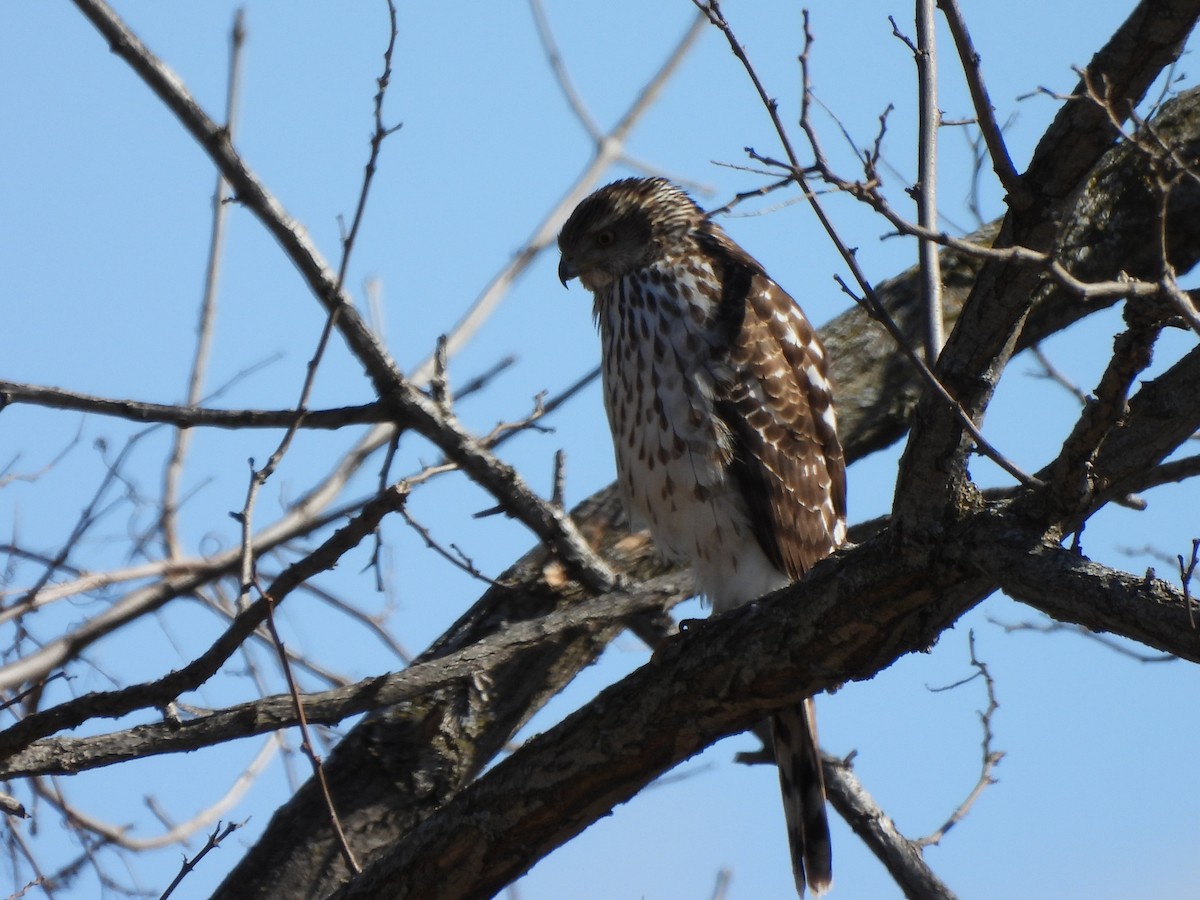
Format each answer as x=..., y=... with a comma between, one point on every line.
x=1051, y=627
x=214, y=840
x=306, y=744
x=1186, y=570
x=453, y=555
x=372, y=622
x=1053, y=373
x=609, y=148
x=173, y=471
x=985, y=113
x=989, y=758
x=927, y=208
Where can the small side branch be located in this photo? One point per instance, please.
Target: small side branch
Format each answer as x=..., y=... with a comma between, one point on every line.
x=903, y=858
x=990, y=758
x=930, y=120
x=985, y=113
x=214, y=840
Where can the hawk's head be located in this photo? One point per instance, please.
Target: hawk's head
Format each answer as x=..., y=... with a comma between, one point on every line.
x=623, y=227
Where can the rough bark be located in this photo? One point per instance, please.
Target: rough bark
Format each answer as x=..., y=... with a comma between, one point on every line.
x=853, y=617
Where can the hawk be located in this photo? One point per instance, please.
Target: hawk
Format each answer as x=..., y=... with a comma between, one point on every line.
x=723, y=425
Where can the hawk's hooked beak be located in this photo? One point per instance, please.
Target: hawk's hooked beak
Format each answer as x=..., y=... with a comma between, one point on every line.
x=566, y=271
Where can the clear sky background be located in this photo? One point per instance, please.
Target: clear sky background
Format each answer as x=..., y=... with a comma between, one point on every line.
x=105, y=206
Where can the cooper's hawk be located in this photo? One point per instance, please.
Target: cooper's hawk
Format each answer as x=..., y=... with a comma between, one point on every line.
x=723, y=427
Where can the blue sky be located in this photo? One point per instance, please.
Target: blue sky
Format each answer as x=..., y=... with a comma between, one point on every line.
x=106, y=206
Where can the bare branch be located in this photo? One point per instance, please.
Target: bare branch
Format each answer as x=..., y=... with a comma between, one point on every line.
x=927, y=208
x=214, y=840
x=990, y=758
x=410, y=406
x=58, y=755
x=190, y=417
x=609, y=148
x=1049, y=626
x=306, y=744
x=985, y=113
x=208, y=305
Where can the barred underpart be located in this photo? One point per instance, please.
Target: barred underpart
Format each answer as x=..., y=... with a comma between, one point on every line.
x=717, y=394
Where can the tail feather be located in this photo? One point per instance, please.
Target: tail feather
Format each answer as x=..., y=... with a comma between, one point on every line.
x=794, y=733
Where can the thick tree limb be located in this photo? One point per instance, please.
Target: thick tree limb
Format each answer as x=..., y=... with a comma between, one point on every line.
x=853, y=616
x=1071, y=588
x=475, y=664
x=399, y=766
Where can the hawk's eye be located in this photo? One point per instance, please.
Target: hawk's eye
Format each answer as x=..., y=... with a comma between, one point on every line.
x=605, y=238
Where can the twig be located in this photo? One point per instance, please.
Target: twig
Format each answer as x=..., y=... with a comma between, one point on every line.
x=306, y=743
x=214, y=840
x=990, y=758
x=454, y=556
x=927, y=209
x=1186, y=571
x=8, y=476
x=873, y=304
x=561, y=75
x=88, y=517
x=378, y=136
x=985, y=114
x=40, y=880
x=609, y=148
x=208, y=305
x=373, y=623
x=1052, y=627
x=1056, y=375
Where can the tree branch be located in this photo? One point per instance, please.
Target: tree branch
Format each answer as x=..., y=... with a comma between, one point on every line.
x=855, y=614
x=408, y=405
x=933, y=483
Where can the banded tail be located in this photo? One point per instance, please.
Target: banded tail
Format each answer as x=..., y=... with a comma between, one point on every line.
x=794, y=732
